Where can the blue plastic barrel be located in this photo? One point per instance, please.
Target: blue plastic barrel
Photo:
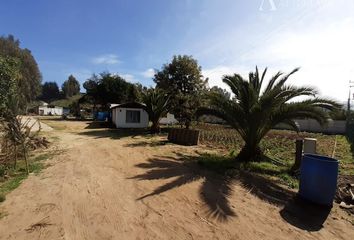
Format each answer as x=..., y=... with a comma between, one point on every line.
x=101, y=116
x=318, y=179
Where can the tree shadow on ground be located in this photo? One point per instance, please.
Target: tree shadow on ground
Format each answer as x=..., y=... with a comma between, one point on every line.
x=156, y=143
x=98, y=125
x=61, y=119
x=295, y=210
x=115, y=133
x=265, y=189
x=214, y=191
x=217, y=188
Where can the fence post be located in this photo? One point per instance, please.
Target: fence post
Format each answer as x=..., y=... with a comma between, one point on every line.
x=298, y=155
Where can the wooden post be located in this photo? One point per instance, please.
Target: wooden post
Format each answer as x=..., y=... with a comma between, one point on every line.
x=298, y=155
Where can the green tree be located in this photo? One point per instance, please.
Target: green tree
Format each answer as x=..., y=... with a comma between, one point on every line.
x=157, y=104
x=254, y=111
x=220, y=91
x=109, y=88
x=13, y=129
x=139, y=89
x=29, y=82
x=50, y=91
x=183, y=81
x=9, y=74
x=75, y=108
x=91, y=87
x=71, y=87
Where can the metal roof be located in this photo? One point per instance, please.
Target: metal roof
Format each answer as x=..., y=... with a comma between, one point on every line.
x=129, y=105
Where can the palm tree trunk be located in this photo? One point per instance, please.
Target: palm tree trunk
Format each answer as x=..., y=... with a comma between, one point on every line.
x=155, y=127
x=250, y=153
x=298, y=156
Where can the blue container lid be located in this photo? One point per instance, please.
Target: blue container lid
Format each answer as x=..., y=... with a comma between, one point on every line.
x=320, y=158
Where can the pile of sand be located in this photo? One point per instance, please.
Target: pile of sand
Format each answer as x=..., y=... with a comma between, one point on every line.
x=32, y=121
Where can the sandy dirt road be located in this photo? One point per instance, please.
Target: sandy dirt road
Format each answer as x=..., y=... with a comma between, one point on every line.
x=110, y=185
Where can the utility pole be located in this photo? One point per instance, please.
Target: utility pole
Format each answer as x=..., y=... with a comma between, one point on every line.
x=350, y=122
x=349, y=97
x=349, y=118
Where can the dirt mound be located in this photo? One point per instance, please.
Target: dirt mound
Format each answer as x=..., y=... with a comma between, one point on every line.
x=32, y=121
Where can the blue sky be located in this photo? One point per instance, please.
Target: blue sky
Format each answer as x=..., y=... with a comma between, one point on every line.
x=132, y=37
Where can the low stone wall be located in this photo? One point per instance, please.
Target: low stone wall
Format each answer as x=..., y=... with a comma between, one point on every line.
x=181, y=136
x=309, y=125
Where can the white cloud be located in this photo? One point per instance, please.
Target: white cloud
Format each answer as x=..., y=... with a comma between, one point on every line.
x=129, y=78
x=149, y=73
x=106, y=59
x=317, y=37
x=325, y=55
x=216, y=74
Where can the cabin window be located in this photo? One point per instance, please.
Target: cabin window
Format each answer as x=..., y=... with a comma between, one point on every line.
x=132, y=116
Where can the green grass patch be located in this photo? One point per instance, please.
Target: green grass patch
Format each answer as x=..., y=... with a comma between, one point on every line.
x=14, y=177
x=227, y=165
x=36, y=167
x=289, y=180
x=279, y=145
x=272, y=171
x=344, y=154
x=41, y=157
x=266, y=168
x=218, y=163
x=12, y=183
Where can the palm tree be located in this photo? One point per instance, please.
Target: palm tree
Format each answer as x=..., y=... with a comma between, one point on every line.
x=256, y=108
x=157, y=105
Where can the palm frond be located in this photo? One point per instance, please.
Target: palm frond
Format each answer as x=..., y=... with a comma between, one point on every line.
x=157, y=103
x=253, y=113
x=283, y=80
x=272, y=81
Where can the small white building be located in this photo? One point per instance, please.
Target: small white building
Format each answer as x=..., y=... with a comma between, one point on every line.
x=169, y=119
x=50, y=110
x=129, y=115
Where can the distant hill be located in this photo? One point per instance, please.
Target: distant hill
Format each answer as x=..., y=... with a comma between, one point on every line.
x=66, y=102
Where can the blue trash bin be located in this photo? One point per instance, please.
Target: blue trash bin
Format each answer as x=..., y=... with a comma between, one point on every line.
x=318, y=179
x=102, y=116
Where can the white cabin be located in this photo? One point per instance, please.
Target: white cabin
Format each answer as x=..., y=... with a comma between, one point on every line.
x=48, y=110
x=129, y=115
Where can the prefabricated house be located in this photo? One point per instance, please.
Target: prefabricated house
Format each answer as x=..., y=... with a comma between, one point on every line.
x=129, y=115
x=50, y=110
